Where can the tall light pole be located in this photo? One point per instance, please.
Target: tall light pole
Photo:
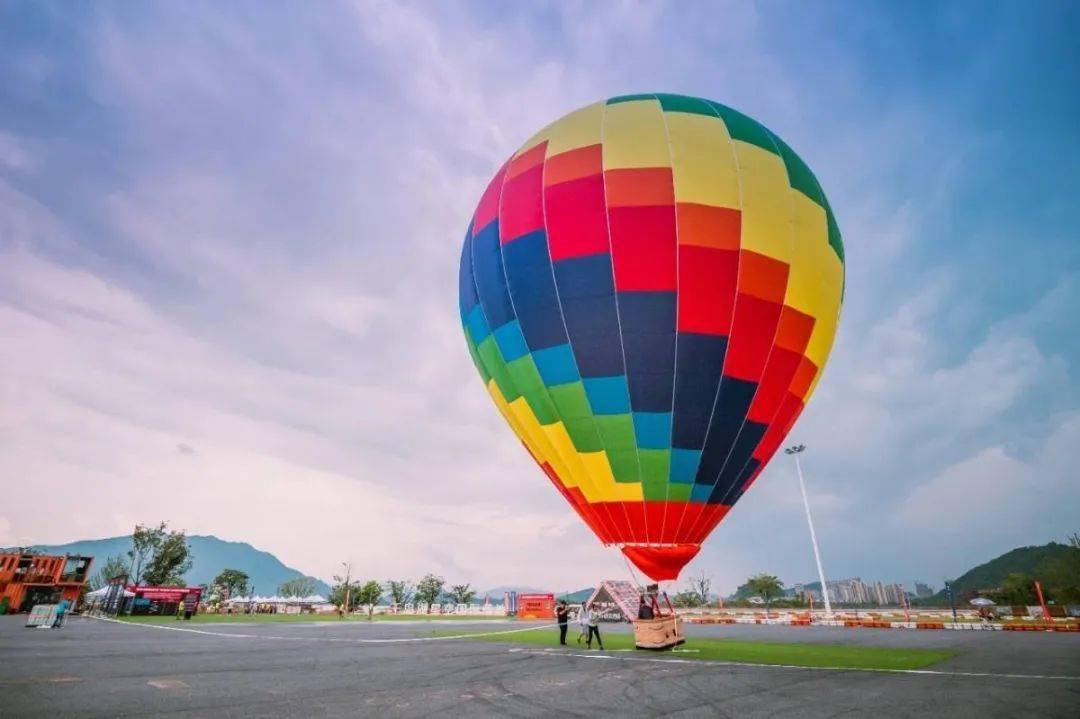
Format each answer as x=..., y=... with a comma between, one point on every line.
x=795, y=451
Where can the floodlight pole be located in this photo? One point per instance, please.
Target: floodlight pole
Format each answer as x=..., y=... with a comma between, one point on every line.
x=795, y=452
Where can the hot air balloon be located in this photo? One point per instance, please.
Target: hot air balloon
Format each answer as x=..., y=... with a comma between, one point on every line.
x=649, y=289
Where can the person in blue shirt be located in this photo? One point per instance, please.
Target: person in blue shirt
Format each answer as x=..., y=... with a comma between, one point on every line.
x=61, y=610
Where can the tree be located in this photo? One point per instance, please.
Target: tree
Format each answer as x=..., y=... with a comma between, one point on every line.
x=765, y=586
x=1060, y=576
x=1016, y=589
x=700, y=586
x=171, y=560
x=343, y=595
x=428, y=590
x=462, y=593
x=297, y=587
x=368, y=594
x=400, y=591
x=144, y=544
x=687, y=599
x=231, y=583
x=113, y=567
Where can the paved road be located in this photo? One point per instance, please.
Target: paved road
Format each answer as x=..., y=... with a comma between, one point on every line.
x=94, y=668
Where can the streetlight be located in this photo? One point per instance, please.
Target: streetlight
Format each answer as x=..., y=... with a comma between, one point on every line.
x=795, y=451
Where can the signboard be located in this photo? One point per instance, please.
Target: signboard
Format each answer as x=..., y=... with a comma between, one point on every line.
x=191, y=603
x=114, y=599
x=42, y=615
x=162, y=594
x=536, y=606
x=167, y=594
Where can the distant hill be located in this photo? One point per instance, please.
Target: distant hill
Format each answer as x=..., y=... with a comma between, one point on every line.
x=209, y=556
x=577, y=597
x=496, y=593
x=991, y=574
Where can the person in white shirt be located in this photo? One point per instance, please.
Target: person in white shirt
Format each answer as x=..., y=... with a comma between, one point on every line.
x=589, y=623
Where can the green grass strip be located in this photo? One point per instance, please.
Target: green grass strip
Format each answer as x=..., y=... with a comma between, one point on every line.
x=286, y=618
x=802, y=654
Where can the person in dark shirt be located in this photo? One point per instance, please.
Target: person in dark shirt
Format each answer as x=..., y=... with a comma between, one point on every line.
x=562, y=616
x=644, y=611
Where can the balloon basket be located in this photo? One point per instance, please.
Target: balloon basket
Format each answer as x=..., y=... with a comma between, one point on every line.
x=661, y=633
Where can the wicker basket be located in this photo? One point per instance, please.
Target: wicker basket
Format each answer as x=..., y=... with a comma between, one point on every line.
x=660, y=633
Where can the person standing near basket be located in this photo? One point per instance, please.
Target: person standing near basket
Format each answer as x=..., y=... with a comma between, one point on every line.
x=562, y=616
x=591, y=620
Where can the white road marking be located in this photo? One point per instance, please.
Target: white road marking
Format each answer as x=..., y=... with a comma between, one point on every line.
x=345, y=640
x=168, y=684
x=713, y=662
x=41, y=680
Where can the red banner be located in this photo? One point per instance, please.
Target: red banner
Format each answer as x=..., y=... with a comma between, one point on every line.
x=536, y=606
x=165, y=594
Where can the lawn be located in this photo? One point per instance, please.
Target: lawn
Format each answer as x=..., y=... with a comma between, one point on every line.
x=731, y=650
x=278, y=618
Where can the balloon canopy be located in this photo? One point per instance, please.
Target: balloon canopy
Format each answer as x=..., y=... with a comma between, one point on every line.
x=649, y=289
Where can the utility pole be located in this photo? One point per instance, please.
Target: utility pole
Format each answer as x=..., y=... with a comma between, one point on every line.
x=348, y=586
x=795, y=451
x=952, y=600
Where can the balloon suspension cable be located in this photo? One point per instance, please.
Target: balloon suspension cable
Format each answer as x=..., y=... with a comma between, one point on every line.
x=633, y=576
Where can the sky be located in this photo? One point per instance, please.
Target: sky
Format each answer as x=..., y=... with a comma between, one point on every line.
x=229, y=240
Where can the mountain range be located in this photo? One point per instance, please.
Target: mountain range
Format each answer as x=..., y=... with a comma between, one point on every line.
x=209, y=556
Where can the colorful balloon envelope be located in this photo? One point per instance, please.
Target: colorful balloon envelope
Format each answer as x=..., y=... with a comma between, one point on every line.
x=649, y=289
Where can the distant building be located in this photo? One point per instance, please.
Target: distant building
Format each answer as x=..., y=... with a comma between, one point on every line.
x=894, y=595
x=923, y=590
x=848, y=591
x=856, y=591
x=29, y=579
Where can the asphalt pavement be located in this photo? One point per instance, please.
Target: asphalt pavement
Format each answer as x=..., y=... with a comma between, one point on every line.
x=95, y=668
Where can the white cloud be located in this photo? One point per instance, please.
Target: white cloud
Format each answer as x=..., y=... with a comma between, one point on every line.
x=994, y=500
x=13, y=154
